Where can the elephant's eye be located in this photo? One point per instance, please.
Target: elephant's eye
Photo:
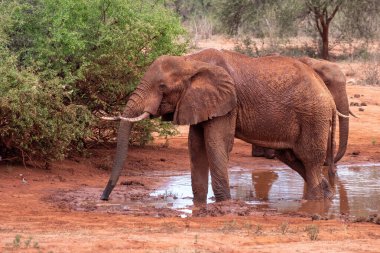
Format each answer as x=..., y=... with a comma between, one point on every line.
x=162, y=87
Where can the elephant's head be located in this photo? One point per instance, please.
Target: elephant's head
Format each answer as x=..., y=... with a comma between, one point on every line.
x=181, y=90
x=335, y=81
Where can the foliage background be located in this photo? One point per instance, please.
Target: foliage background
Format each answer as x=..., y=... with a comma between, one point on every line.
x=65, y=62
x=275, y=22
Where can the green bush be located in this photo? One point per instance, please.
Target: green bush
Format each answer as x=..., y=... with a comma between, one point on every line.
x=142, y=131
x=70, y=60
x=98, y=48
x=34, y=121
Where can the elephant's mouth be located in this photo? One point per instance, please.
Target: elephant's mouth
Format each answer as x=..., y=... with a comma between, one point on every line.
x=166, y=110
x=168, y=116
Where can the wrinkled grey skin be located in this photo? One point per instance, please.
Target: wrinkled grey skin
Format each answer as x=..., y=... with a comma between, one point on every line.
x=335, y=81
x=275, y=102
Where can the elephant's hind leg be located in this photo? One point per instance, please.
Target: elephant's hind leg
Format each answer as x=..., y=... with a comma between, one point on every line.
x=317, y=187
x=199, y=164
x=287, y=156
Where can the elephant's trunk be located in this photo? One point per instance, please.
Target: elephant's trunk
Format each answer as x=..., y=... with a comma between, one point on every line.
x=134, y=108
x=343, y=138
x=343, y=107
x=121, y=154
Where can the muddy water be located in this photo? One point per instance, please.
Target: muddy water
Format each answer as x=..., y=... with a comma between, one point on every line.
x=281, y=189
x=277, y=189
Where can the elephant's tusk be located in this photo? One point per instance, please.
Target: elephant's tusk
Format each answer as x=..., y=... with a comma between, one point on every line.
x=342, y=115
x=141, y=117
x=110, y=118
x=353, y=114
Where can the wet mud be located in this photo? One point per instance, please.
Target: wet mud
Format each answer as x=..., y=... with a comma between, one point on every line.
x=275, y=190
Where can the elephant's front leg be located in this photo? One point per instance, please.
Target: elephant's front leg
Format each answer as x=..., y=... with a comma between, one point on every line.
x=219, y=136
x=199, y=165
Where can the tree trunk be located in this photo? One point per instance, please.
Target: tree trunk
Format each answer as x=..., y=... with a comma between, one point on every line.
x=325, y=42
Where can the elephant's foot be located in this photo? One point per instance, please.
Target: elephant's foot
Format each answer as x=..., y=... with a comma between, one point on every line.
x=258, y=151
x=270, y=153
x=200, y=192
x=199, y=201
x=320, y=191
x=214, y=209
x=224, y=196
x=199, y=205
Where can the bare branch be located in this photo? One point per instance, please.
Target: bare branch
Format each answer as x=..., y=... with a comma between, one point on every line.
x=334, y=12
x=318, y=26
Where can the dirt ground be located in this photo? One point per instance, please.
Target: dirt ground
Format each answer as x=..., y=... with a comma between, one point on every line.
x=36, y=213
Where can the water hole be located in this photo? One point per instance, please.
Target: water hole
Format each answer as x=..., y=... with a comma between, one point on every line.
x=281, y=190
x=277, y=189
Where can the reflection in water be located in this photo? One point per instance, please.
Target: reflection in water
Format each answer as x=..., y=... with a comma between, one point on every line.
x=262, y=182
x=357, y=191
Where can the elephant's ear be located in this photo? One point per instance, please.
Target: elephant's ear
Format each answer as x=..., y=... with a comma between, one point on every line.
x=210, y=93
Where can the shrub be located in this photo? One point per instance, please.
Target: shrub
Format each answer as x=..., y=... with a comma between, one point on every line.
x=34, y=121
x=142, y=131
x=312, y=231
x=99, y=49
x=372, y=73
x=69, y=59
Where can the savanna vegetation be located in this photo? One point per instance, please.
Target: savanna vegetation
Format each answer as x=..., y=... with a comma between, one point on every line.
x=65, y=63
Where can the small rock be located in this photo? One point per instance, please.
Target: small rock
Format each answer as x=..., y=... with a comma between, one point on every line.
x=360, y=219
x=131, y=182
x=162, y=159
x=354, y=104
x=357, y=96
x=316, y=217
x=356, y=153
x=372, y=217
x=363, y=104
x=361, y=109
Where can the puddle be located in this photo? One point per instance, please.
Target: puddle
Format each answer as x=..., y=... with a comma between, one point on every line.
x=277, y=189
x=281, y=190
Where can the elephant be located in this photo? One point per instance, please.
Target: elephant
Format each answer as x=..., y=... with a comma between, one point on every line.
x=275, y=102
x=335, y=81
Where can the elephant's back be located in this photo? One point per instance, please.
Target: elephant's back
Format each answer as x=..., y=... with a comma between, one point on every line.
x=279, y=93
x=280, y=72
x=279, y=78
